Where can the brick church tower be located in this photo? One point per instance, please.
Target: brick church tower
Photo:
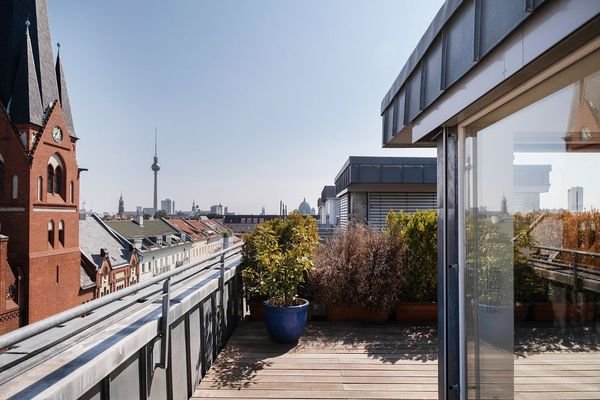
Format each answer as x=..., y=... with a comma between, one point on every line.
x=39, y=176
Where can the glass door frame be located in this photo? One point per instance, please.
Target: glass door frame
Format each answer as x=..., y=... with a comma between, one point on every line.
x=542, y=82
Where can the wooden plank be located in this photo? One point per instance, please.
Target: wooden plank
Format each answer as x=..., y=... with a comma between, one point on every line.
x=315, y=394
x=371, y=361
x=340, y=379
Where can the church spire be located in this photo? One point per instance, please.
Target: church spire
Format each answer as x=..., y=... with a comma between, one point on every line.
x=25, y=104
x=63, y=94
x=13, y=16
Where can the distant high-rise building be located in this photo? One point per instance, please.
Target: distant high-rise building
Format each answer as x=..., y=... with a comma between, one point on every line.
x=576, y=199
x=121, y=205
x=217, y=209
x=262, y=211
x=155, y=167
x=168, y=205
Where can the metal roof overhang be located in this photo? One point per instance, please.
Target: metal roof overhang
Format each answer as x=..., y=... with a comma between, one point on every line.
x=474, y=52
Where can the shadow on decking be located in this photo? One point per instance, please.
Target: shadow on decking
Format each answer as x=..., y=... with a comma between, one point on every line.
x=251, y=351
x=387, y=342
x=541, y=338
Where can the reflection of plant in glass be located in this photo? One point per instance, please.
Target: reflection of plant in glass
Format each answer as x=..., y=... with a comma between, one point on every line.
x=529, y=286
x=277, y=256
x=492, y=258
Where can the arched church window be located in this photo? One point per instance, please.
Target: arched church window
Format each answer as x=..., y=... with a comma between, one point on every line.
x=40, y=185
x=15, y=187
x=56, y=176
x=50, y=178
x=2, y=168
x=71, y=192
x=58, y=181
x=51, y=233
x=61, y=233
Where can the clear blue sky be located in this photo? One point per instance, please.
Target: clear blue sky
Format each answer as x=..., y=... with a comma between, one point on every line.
x=254, y=101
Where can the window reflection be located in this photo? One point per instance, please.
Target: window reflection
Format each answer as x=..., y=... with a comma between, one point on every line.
x=532, y=211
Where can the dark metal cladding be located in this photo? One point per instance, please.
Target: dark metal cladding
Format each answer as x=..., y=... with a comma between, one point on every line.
x=433, y=30
x=327, y=193
x=25, y=105
x=383, y=170
x=461, y=35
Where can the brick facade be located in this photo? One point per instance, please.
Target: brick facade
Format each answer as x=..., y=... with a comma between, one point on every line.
x=51, y=272
x=9, y=308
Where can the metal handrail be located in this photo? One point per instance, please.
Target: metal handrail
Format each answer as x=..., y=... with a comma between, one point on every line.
x=31, y=330
x=563, y=250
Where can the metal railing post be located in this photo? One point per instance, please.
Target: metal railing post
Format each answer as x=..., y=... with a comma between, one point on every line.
x=165, y=325
x=221, y=307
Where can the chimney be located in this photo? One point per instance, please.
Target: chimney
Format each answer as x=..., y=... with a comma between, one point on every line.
x=103, y=252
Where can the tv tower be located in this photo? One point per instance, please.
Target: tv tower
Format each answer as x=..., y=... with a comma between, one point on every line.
x=155, y=167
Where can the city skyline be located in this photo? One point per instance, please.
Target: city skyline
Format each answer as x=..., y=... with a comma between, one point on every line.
x=222, y=96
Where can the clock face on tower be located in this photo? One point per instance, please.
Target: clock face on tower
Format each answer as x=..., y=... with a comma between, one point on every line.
x=57, y=134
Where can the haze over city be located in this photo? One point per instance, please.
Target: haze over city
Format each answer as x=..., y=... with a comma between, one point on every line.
x=246, y=96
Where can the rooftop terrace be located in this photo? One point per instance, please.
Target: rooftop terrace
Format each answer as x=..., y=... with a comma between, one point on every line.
x=388, y=361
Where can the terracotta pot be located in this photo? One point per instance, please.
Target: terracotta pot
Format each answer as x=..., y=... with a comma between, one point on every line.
x=355, y=313
x=543, y=312
x=416, y=312
x=583, y=312
x=521, y=311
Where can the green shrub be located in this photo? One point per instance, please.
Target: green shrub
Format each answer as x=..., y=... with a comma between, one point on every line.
x=359, y=266
x=418, y=232
x=277, y=256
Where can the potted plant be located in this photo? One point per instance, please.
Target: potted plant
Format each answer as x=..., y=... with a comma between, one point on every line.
x=357, y=274
x=418, y=293
x=276, y=259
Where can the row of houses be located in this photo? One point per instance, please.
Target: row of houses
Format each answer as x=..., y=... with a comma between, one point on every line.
x=118, y=253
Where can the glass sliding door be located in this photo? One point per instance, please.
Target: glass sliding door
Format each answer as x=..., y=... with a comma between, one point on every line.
x=531, y=242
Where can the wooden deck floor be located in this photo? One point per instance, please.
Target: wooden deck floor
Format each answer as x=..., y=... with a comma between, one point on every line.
x=388, y=361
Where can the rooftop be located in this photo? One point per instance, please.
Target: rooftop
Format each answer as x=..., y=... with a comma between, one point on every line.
x=93, y=234
x=130, y=229
x=386, y=170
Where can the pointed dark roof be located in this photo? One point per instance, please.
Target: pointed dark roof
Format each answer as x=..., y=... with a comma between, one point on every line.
x=64, y=94
x=25, y=104
x=13, y=14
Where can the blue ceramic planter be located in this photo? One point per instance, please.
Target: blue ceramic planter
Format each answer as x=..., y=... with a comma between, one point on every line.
x=286, y=324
